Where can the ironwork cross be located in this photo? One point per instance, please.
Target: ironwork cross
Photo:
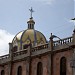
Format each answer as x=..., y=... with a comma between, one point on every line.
x=31, y=11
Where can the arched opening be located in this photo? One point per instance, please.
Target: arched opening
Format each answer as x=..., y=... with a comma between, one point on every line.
x=19, y=71
x=2, y=72
x=39, y=69
x=63, y=66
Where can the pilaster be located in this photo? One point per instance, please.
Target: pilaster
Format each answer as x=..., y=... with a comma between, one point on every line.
x=51, y=55
x=11, y=56
x=49, y=64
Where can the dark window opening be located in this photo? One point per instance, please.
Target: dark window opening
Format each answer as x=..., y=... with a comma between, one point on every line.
x=30, y=26
x=63, y=66
x=19, y=71
x=39, y=69
x=25, y=46
x=2, y=72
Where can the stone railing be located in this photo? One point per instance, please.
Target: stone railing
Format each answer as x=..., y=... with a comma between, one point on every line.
x=20, y=53
x=4, y=57
x=63, y=41
x=25, y=51
x=40, y=47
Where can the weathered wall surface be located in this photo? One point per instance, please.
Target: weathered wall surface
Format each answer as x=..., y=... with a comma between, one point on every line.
x=45, y=62
x=56, y=62
x=5, y=68
x=16, y=65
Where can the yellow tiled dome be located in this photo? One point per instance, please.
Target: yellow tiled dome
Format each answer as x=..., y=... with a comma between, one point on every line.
x=29, y=36
x=24, y=37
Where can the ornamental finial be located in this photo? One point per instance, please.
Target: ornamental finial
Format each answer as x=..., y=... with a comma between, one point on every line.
x=31, y=11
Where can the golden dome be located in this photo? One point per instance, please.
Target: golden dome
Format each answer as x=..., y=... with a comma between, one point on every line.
x=16, y=39
x=24, y=37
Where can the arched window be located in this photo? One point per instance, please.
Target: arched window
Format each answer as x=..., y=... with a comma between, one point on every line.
x=63, y=66
x=19, y=71
x=39, y=69
x=2, y=72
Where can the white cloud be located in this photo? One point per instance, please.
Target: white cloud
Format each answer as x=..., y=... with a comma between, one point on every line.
x=45, y=1
x=5, y=38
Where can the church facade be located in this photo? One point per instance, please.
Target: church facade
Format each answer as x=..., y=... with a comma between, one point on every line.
x=31, y=54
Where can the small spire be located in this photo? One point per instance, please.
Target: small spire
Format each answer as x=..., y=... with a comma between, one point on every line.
x=31, y=11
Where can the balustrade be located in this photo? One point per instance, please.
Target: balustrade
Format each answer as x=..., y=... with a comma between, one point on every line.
x=63, y=41
x=19, y=53
x=4, y=57
x=39, y=47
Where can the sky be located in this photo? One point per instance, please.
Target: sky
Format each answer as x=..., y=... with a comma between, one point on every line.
x=50, y=16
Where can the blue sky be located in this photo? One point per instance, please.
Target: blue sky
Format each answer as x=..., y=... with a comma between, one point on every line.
x=51, y=16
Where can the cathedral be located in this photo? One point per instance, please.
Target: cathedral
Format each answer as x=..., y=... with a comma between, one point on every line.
x=31, y=54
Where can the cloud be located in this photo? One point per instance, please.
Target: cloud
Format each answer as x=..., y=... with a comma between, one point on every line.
x=5, y=38
x=45, y=1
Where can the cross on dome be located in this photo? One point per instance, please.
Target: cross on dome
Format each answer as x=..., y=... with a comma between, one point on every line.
x=31, y=11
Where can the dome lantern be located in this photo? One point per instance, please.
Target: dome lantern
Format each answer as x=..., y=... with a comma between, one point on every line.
x=31, y=21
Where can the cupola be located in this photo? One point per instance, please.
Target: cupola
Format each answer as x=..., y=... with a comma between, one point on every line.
x=30, y=35
x=31, y=23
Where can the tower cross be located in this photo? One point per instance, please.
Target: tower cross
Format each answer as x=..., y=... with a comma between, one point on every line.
x=31, y=11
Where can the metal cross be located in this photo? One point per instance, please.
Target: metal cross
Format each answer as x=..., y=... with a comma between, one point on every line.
x=31, y=11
